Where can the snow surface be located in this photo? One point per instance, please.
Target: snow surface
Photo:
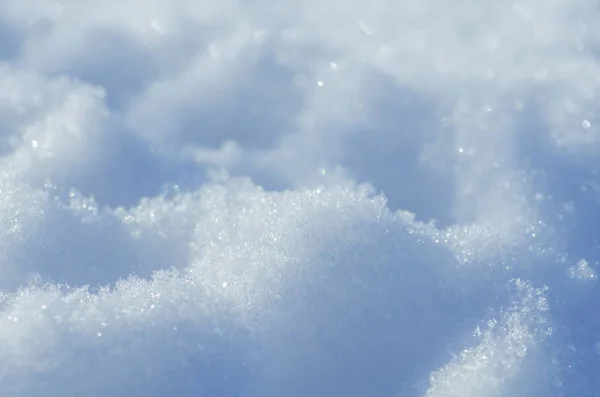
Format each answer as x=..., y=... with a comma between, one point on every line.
x=304, y=198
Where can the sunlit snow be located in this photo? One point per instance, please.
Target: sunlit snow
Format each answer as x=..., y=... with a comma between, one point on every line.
x=308, y=198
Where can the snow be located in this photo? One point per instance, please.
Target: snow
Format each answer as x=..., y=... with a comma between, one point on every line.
x=341, y=198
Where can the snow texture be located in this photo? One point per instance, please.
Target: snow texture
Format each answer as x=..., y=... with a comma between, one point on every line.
x=308, y=198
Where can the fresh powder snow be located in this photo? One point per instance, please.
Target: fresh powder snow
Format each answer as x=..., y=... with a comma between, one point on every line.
x=305, y=198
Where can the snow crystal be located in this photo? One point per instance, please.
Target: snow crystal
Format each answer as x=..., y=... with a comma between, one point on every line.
x=312, y=198
x=582, y=271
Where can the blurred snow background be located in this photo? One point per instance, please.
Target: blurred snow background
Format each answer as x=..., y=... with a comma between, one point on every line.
x=310, y=198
